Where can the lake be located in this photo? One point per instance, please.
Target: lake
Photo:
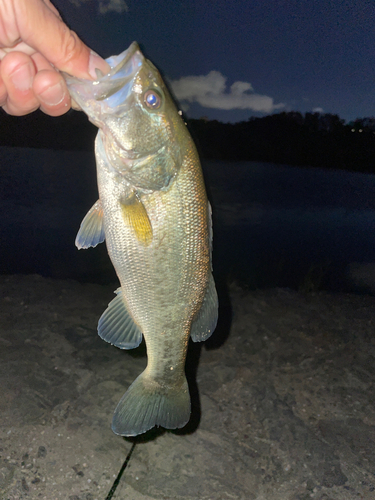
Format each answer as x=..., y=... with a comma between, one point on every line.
x=294, y=227
x=274, y=225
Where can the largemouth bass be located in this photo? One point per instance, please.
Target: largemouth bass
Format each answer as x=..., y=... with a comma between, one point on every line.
x=155, y=218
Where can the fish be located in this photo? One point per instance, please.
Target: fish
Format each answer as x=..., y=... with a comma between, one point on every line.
x=155, y=218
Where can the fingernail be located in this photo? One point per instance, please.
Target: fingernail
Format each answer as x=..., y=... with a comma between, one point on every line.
x=53, y=95
x=22, y=77
x=96, y=62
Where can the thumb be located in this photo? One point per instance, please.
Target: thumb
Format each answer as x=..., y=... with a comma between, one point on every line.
x=41, y=27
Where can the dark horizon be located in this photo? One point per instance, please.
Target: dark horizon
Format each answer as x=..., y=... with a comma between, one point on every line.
x=299, y=139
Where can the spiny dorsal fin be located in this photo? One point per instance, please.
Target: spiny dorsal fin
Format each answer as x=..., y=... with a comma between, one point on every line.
x=135, y=216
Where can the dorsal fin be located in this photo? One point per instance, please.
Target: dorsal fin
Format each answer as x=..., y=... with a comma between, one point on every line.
x=205, y=322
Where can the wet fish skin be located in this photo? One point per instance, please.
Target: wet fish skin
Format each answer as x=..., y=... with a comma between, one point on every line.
x=155, y=217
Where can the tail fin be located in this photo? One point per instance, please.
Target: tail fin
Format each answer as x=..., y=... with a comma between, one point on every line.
x=147, y=403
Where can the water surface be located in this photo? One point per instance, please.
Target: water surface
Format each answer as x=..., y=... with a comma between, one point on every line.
x=273, y=225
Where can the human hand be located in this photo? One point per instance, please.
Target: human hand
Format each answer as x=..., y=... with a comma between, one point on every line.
x=34, y=45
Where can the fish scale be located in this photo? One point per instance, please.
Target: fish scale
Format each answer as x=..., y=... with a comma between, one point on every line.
x=155, y=218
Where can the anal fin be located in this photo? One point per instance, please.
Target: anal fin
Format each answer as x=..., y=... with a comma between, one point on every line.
x=116, y=325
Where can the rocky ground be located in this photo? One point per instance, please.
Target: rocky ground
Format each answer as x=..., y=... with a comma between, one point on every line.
x=283, y=400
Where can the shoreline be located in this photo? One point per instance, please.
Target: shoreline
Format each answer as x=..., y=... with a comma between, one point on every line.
x=283, y=405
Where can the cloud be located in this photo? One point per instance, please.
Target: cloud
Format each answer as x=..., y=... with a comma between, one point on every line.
x=105, y=6
x=318, y=110
x=78, y=3
x=210, y=92
x=113, y=5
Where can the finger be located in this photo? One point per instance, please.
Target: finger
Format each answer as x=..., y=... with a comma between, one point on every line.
x=18, y=47
x=41, y=62
x=50, y=88
x=47, y=34
x=17, y=71
x=3, y=92
x=53, y=8
x=51, y=91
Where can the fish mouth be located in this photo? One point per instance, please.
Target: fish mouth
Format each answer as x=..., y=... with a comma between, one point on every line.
x=108, y=95
x=108, y=91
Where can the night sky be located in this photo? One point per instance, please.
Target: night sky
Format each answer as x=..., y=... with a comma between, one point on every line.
x=229, y=60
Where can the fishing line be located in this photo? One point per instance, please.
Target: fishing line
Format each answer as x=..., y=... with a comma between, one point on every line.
x=117, y=480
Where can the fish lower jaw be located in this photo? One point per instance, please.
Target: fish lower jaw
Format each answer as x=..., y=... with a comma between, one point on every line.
x=123, y=160
x=117, y=153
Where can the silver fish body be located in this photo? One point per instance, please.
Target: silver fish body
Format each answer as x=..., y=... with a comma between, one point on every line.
x=155, y=217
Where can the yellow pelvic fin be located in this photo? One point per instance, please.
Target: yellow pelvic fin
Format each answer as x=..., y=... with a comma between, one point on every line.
x=135, y=216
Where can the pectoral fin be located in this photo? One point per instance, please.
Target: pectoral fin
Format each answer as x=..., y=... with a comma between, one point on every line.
x=205, y=322
x=135, y=216
x=116, y=325
x=91, y=231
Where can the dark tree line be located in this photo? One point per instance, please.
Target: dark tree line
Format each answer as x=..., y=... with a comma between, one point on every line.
x=314, y=139
x=71, y=131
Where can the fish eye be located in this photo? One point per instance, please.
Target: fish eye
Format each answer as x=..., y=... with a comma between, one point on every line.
x=152, y=99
